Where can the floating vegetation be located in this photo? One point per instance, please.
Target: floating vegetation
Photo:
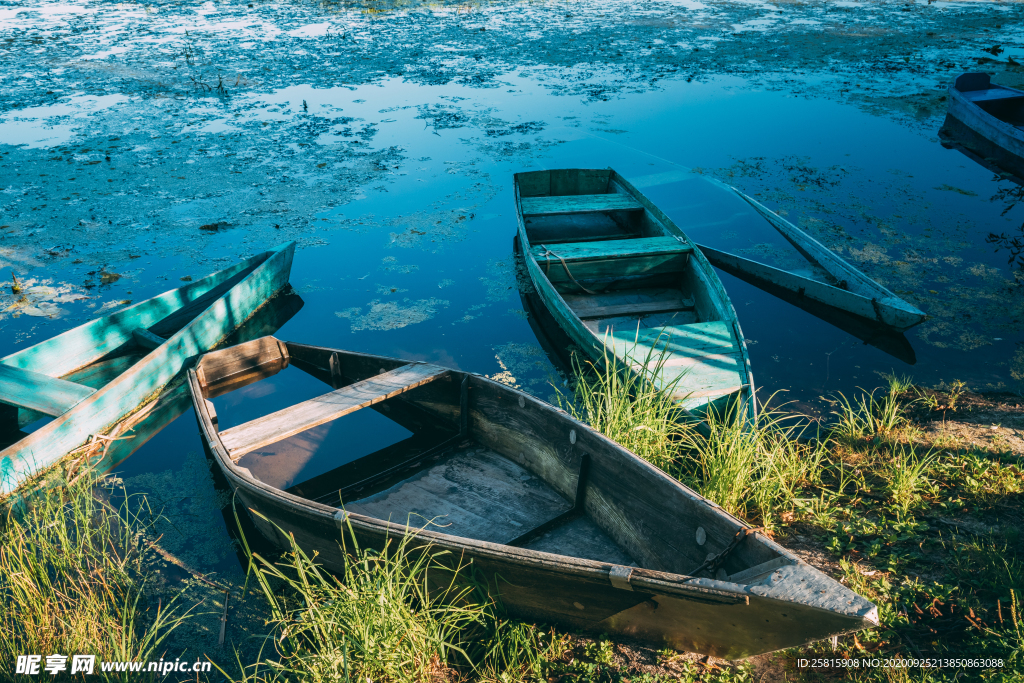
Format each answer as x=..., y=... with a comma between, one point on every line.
x=523, y=366
x=391, y=315
x=36, y=298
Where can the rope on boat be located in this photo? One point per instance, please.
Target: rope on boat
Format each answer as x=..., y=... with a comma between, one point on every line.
x=713, y=563
x=547, y=268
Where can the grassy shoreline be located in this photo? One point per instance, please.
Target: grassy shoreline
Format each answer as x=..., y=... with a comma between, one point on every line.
x=911, y=496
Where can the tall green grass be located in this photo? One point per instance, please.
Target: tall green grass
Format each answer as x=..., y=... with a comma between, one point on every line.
x=626, y=408
x=397, y=614
x=906, y=474
x=866, y=415
x=754, y=468
x=72, y=581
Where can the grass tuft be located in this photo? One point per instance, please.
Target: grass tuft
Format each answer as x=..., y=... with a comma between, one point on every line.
x=626, y=408
x=906, y=474
x=72, y=580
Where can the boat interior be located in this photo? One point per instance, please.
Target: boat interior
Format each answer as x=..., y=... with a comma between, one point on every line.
x=631, y=282
x=479, y=461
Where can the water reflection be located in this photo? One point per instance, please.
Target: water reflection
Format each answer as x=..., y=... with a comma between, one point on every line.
x=1012, y=244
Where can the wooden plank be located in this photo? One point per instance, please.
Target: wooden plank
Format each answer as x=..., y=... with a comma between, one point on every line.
x=697, y=339
x=573, y=252
x=505, y=499
x=637, y=309
x=633, y=302
x=223, y=364
x=533, y=183
x=581, y=203
x=594, y=261
x=581, y=538
x=688, y=361
x=123, y=395
x=147, y=339
x=705, y=393
x=39, y=392
x=280, y=425
x=604, y=237
x=582, y=227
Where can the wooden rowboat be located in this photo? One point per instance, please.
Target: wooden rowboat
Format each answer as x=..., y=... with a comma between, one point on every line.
x=987, y=120
x=721, y=221
x=562, y=523
x=90, y=377
x=622, y=280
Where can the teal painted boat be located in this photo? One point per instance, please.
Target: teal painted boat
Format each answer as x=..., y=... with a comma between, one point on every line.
x=623, y=281
x=94, y=375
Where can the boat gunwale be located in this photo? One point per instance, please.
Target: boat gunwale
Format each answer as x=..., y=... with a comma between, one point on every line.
x=22, y=358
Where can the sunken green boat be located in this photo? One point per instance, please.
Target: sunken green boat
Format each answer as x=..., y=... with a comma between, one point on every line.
x=625, y=283
x=90, y=377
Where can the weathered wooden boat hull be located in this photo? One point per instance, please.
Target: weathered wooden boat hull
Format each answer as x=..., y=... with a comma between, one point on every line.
x=711, y=367
x=870, y=309
x=841, y=285
x=211, y=314
x=988, y=119
x=174, y=398
x=767, y=599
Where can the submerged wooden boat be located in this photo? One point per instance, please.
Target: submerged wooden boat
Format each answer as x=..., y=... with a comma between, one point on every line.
x=988, y=120
x=91, y=376
x=722, y=221
x=623, y=281
x=563, y=524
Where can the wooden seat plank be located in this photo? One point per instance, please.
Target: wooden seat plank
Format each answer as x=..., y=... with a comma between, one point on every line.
x=39, y=392
x=147, y=339
x=635, y=302
x=298, y=418
x=580, y=203
x=696, y=339
x=628, y=248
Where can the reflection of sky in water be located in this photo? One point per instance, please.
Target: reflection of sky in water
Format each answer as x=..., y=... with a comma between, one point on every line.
x=54, y=124
x=417, y=263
